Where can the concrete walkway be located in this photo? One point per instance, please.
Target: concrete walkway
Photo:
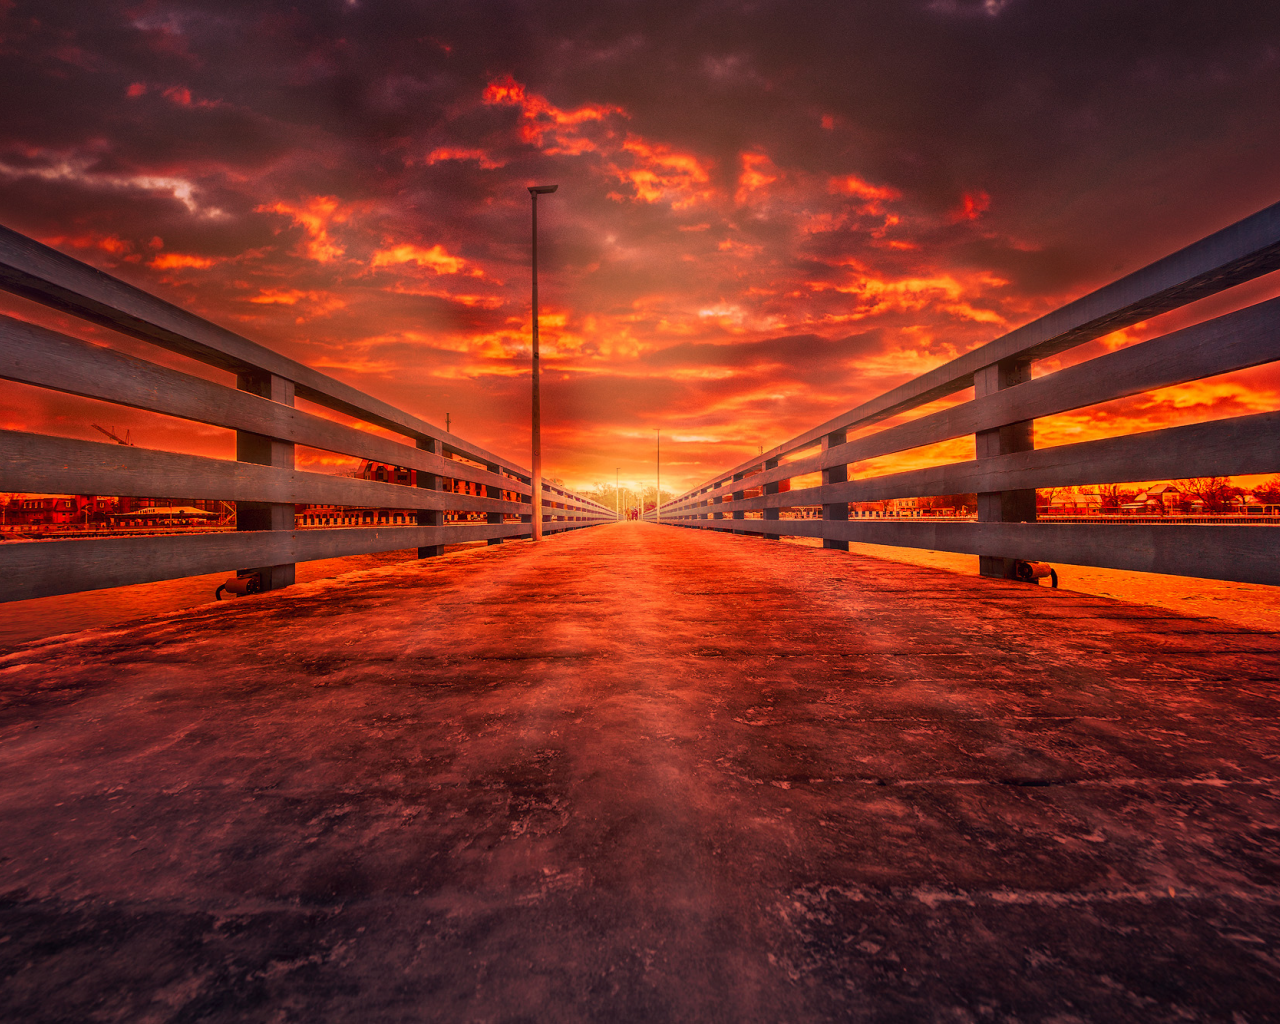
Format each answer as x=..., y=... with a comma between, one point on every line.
x=641, y=774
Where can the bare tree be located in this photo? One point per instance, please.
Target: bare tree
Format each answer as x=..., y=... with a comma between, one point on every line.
x=955, y=501
x=650, y=494
x=1214, y=491
x=1269, y=493
x=1113, y=496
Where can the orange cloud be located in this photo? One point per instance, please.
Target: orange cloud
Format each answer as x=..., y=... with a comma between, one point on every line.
x=852, y=185
x=1236, y=394
x=108, y=243
x=178, y=94
x=478, y=155
x=273, y=296
x=872, y=199
x=436, y=258
x=177, y=261
x=758, y=171
x=324, y=302
x=877, y=296
x=314, y=218
x=740, y=249
x=818, y=223
x=658, y=173
x=891, y=221
x=542, y=118
x=971, y=207
x=967, y=312
x=473, y=301
x=112, y=244
x=377, y=367
x=655, y=172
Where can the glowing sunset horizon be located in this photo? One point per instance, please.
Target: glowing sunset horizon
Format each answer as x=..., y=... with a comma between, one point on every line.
x=763, y=219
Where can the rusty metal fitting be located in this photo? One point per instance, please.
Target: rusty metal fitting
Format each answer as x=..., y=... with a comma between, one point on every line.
x=1034, y=572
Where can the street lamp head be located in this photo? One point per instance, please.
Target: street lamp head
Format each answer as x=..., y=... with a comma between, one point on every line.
x=542, y=190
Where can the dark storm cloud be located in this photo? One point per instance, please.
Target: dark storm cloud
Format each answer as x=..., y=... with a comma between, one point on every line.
x=1034, y=103
x=755, y=195
x=795, y=354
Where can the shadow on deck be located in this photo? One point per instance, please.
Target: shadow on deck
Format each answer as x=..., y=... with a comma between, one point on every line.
x=642, y=774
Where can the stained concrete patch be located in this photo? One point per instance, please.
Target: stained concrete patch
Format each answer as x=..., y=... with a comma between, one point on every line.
x=640, y=774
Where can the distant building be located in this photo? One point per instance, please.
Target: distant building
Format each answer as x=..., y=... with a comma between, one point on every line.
x=164, y=515
x=1086, y=503
x=1258, y=505
x=46, y=511
x=342, y=515
x=1164, y=499
x=59, y=510
x=222, y=509
x=90, y=510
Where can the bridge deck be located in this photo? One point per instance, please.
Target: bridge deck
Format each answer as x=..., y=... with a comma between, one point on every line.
x=642, y=774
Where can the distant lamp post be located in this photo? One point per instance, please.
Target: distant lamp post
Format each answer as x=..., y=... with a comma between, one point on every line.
x=617, y=494
x=534, y=192
x=657, y=498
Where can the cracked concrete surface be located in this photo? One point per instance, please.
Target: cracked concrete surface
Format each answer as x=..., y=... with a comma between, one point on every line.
x=642, y=774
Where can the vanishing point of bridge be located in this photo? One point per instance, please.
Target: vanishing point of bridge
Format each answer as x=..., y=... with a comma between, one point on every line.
x=640, y=773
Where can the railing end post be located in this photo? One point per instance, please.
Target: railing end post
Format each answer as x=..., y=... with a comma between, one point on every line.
x=266, y=451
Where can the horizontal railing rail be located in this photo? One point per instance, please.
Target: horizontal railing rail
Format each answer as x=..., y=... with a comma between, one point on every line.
x=263, y=481
x=1000, y=416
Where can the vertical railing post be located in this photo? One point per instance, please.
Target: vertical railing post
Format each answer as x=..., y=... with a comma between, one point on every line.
x=492, y=491
x=718, y=500
x=738, y=496
x=835, y=512
x=1003, y=506
x=266, y=451
x=527, y=499
x=431, y=482
x=771, y=513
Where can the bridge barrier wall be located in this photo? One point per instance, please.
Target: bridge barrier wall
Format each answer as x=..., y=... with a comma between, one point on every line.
x=1007, y=400
x=263, y=482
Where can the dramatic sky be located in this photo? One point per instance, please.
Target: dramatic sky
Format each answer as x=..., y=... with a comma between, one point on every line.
x=769, y=210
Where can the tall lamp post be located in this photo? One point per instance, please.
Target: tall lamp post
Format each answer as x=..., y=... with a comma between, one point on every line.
x=617, y=494
x=534, y=192
x=657, y=498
